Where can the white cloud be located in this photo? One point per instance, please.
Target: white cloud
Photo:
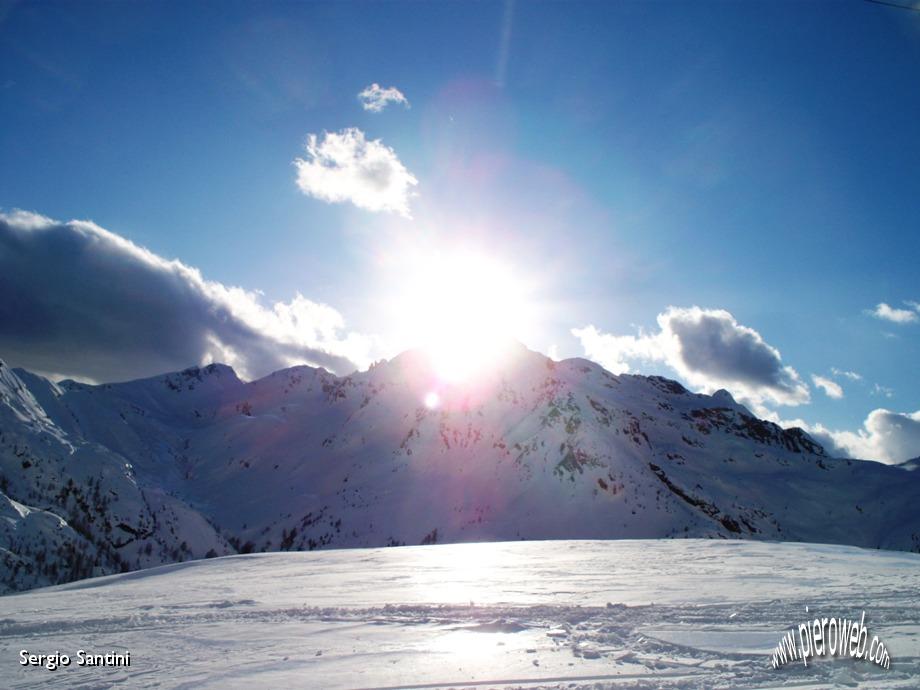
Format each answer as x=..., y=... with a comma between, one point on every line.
x=344, y=166
x=88, y=303
x=852, y=375
x=375, y=98
x=885, y=436
x=893, y=314
x=831, y=388
x=709, y=349
x=613, y=352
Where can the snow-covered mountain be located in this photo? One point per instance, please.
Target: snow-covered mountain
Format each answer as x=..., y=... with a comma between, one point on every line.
x=97, y=479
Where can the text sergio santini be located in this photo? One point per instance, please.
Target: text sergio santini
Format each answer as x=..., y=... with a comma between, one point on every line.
x=83, y=658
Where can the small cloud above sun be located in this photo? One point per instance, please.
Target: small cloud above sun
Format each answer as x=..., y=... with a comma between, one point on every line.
x=375, y=98
x=347, y=167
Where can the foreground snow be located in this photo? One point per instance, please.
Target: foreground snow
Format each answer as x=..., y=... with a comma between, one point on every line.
x=684, y=613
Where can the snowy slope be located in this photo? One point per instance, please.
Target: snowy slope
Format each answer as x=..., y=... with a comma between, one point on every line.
x=574, y=615
x=78, y=509
x=200, y=463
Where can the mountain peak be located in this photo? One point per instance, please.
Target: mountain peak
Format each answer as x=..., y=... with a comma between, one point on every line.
x=910, y=465
x=723, y=395
x=205, y=377
x=213, y=369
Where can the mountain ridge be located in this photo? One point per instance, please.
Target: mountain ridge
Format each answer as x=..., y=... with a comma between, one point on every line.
x=198, y=463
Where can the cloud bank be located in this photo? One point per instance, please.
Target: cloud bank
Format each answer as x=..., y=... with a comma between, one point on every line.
x=344, y=166
x=886, y=436
x=78, y=300
x=375, y=98
x=709, y=349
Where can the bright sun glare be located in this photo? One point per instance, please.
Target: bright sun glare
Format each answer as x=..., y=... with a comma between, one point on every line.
x=463, y=308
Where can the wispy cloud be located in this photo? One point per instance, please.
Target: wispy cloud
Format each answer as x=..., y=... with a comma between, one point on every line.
x=852, y=375
x=504, y=43
x=884, y=391
x=375, y=98
x=831, y=388
x=344, y=166
x=895, y=315
x=81, y=301
x=709, y=349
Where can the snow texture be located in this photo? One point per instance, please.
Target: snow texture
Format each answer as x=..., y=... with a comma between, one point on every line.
x=564, y=614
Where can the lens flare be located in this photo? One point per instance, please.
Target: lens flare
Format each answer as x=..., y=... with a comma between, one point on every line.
x=462, y=308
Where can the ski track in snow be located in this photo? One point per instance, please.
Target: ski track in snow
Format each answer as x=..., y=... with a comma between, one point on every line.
x=622, y=614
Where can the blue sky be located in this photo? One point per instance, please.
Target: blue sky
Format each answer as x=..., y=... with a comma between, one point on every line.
x=756, y=159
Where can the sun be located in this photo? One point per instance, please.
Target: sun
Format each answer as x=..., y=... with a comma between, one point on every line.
x=463, y=308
